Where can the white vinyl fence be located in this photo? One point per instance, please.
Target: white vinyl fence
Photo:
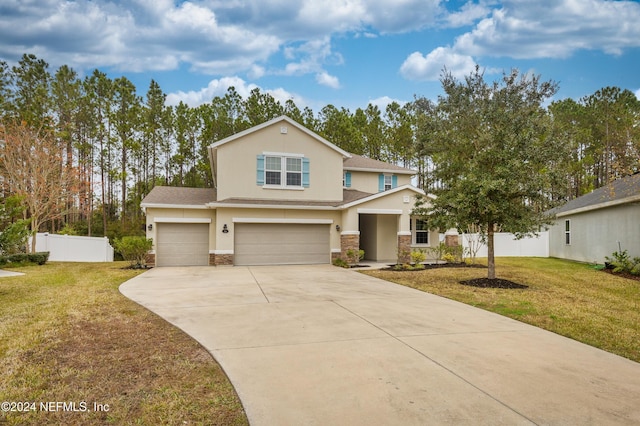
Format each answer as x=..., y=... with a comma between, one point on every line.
x=506, y=245
x=70, y=248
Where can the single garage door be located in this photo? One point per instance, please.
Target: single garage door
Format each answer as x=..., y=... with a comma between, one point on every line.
x=281, y=244
x=182, y=244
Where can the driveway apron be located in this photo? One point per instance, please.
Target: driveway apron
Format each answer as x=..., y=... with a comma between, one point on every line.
x=320, y=345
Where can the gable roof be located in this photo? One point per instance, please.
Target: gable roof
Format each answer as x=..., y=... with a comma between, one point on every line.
x=282, y=118
x=621, y=191
x=170, y=196
x=364, y=164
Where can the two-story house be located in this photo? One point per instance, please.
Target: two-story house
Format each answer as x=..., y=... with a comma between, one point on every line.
x=284, y=195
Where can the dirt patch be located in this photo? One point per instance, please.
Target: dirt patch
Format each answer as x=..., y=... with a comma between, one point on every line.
x=493, y=283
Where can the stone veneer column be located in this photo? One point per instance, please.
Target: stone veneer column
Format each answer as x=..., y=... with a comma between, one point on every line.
x=150, y=259
x=349, y=241
x=404, y=248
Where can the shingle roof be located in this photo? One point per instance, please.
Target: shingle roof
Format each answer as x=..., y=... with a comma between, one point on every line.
x=348, y=195
x=358, y=162
x=617, y=192
x=163, y=195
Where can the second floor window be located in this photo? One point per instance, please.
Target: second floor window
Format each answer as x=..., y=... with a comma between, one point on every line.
x=388, y=182
x=284, y=171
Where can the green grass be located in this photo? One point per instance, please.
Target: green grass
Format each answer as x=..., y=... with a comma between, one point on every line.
x=68, y=335
x=568, y=298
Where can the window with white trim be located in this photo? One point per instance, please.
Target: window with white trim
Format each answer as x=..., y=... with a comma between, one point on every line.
x=388, y=182
x=283, y=171
x=567, y=232
x=419, y=232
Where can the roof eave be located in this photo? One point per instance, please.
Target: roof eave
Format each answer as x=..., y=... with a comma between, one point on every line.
x=381, y=170
x=627, y=200
x=384, y=194
x=174, y=206
x=297, y=125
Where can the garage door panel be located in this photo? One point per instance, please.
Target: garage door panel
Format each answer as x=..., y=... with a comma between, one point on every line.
x=271, y=244
x=182, y=244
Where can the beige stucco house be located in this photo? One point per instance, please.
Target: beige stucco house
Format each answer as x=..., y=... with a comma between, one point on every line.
x=284, y=195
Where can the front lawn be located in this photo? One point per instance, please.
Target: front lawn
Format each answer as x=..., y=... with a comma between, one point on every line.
x=74, y=351
x=568, y=298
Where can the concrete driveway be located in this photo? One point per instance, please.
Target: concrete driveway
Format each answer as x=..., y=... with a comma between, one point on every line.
x=320, y=345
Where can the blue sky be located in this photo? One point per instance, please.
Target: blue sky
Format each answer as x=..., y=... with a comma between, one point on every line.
x=343, y=52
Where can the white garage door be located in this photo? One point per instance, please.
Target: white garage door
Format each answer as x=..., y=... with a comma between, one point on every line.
x=182, y=244
x=281, y=244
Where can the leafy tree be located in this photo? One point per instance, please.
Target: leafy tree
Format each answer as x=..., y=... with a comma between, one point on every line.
x=14, y=230
x=492, y=153
x=31, y=96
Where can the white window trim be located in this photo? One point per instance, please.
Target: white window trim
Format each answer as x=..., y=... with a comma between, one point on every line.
x=414, y=234
x=567, y=224
x=390, y=185
x=283, y=171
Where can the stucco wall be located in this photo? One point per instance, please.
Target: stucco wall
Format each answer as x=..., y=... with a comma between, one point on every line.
x=236, y=165
x=368, y=181
x=595, y=234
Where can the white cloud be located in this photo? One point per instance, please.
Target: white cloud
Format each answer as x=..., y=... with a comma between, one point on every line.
x=523, y=29
x=383, y=101
x=467, y=15
x=219, y=87
x=324, y=79
x=429, y=67
x=637, y=92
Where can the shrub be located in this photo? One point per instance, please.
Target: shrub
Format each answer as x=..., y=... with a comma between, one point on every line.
x=39, y=258
x=134, y=250
x=622, y=262
x=354, y=256
x=418, y=256
x=340, y=262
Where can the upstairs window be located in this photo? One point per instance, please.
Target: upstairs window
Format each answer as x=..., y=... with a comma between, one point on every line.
x=282, y=171
x=387, y=182
x=273, y=171
x=294, y=171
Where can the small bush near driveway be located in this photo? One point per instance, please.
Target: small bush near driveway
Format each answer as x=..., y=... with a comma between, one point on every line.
x=568, y=298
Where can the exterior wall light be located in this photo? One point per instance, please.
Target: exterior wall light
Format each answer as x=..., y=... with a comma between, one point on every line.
x=338, y=228
x=150, y=227
x=225, y=229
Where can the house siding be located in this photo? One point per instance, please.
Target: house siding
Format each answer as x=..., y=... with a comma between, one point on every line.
x=595, y=234
x=237, y=166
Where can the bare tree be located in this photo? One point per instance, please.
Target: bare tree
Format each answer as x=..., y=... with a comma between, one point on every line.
x=33, y=168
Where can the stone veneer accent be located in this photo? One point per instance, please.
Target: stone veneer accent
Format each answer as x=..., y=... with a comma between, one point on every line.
x=404, y=248
x=348, y=242
x=150, y=259
x=220, y=259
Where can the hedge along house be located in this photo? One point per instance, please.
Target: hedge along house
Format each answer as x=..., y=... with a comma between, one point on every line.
x=593, y=226
x=284, y=195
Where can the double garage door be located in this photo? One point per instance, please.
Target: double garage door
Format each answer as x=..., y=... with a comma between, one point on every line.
x=187, y=244
x=281, y=244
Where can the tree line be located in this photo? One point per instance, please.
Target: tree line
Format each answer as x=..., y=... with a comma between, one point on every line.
x=108, y=146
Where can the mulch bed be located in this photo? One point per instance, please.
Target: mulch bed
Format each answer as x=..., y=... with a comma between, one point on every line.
x=493, y=283
x=623, y=274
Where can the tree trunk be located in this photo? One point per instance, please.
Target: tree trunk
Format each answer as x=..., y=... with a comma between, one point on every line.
x=491, y=261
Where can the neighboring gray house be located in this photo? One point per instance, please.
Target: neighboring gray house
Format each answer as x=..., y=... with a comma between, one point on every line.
x=593, y=226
